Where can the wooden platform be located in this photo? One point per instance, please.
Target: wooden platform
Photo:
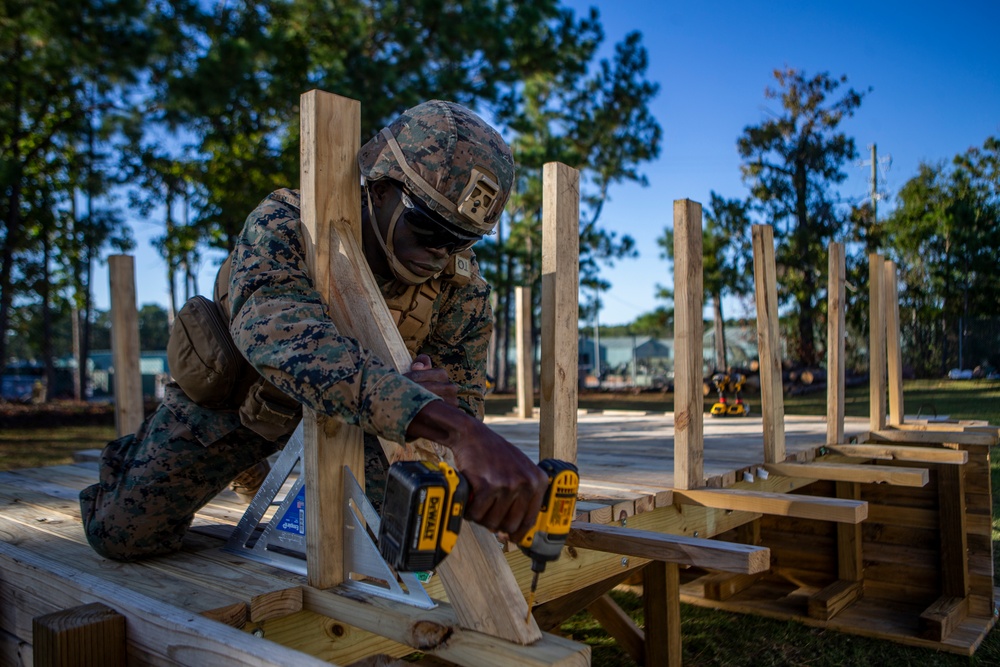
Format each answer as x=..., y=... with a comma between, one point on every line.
x=626, y=467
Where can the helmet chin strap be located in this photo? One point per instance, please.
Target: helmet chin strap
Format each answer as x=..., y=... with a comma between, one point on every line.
x=402, y=274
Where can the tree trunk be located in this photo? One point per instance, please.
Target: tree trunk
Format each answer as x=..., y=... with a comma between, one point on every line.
x=720, y=333
x=45, y=294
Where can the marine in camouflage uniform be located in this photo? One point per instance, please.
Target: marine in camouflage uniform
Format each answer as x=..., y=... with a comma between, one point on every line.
x=151, y=483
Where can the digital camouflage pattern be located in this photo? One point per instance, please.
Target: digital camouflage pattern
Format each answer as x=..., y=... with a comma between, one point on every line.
x=442, y=142
x=153, y=482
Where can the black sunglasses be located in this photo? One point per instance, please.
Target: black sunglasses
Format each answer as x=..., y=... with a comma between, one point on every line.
x=430, y=231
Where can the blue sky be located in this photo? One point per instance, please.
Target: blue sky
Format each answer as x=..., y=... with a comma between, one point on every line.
x=934, y=70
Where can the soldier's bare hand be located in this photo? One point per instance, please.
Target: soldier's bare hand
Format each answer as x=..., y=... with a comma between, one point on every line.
x=432, y=379
x=507, y=487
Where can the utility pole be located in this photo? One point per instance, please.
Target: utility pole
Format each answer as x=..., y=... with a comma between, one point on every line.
x=874, y=186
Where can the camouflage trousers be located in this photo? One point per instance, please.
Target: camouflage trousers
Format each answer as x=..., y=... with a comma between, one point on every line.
x=151, y=484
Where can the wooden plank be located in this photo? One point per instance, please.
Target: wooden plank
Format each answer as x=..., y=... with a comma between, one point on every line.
x=710, y=554
x=894, y=352
x=834, y=599
x=845, y=472
x=125, y=345
x=722, y=586
x=560, y=311
x=940, y=619
x=525, y=354
x=551, y=614
x=629, y=636
x=15, y=652
x=932, y=437
x=850, y=562
x=689, y=407
x=661, y=599
x=438, y=631
x=781, y=504
x=155, y=628
x=954, y=546
x=90, y=634
x=890, y=452
x=769, y=344
x=835, y=337
x=330, y=130
x=876, y=341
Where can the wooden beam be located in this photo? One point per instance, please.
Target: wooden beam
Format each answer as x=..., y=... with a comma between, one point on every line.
x=894, y=352
x=551, y=614
x=835, y=332
x=941, y=618
x=689, y=406
x=438, y=631
x=891, y=452
x=876, y=341
x=330, y=130
x=968, y=438
x=833, y=599
x=709, y=554
x=850, y=559
x=90, y=634
x=661, y=598
x=478, y=580
x=155, y=628
x=560, y=311
x=722, y=585
x=628, y=636
x=778, y=504
x=525, y=354
x=846, y=472
x=954, y=536
x=772, y=401
x=125, y=345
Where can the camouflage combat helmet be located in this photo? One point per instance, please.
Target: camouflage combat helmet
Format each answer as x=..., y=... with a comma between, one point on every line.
x=449, y=158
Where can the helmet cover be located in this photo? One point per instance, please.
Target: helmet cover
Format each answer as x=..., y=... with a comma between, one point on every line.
x=449, y=158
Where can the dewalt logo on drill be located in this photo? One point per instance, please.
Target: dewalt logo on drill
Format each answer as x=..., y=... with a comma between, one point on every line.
x=430, y=518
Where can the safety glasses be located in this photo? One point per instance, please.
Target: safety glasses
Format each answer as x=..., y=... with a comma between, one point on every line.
x=431, y=232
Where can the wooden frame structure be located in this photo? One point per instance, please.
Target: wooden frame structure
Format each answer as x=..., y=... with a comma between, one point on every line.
x=860, y=502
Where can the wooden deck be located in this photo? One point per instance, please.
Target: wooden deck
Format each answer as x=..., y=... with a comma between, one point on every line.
x=626, y=470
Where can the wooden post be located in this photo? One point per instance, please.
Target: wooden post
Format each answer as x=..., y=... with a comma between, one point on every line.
x=330, y=135
x=876, y=342
x=525, y=355
x=661, y=597
x=835, y=324
x=91, y=635
x=894, y=350
x=560, y=311
x=772, y=400
x=689, y=296
x=480, y=584
x=125, y=345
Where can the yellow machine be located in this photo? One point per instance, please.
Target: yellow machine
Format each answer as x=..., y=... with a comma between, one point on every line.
x=721, y=381
x=737, y=408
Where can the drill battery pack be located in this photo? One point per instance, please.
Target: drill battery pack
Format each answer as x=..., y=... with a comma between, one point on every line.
x=421, y=514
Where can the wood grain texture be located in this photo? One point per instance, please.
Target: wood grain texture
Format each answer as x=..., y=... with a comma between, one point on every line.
x=560, y=311
x=894, y=351
x=769, y=344
x=876, y=341
x=525, y=354
x=689, y=295
x=125, y=345
x=835, y=332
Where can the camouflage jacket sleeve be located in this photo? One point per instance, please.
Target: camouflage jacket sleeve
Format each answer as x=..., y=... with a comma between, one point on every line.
x=280, y=324
x=460, y=337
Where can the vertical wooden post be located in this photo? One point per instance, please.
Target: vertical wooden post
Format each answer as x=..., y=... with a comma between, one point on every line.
x=560, y=311
x=876, y=342
x=772, y=400
x=91, y=635
x=125, y=345
x=661, y=598
x=330, y=135
x=689, y=296
x=525, y=355
x=480, y=584
x=894, y=350
x=835, y=322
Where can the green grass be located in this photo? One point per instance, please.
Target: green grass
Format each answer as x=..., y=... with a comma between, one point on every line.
x=35, y=447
